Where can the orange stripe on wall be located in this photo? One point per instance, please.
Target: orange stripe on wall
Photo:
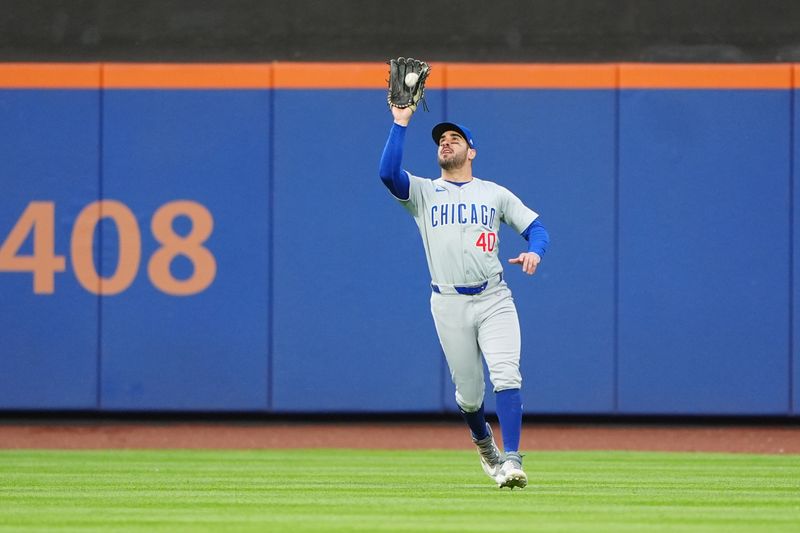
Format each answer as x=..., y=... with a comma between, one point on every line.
x=530, y=76
x=330, y=75
x=50, y=75
x=702, y=76
x=374, y=75
x=187, y=76
x=343, y=76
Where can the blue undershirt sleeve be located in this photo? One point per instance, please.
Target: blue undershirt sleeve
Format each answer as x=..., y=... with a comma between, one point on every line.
x=537, y=237
x=393, y=176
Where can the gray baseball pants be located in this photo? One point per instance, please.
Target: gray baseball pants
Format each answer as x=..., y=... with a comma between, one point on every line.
x=470, y=325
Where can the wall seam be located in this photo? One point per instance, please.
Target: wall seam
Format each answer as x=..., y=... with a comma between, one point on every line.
x=792, y=172
x=444, y=371
x=271, y=239
x=615, y=335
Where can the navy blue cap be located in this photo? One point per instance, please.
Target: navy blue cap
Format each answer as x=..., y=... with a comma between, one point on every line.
x=439, y=129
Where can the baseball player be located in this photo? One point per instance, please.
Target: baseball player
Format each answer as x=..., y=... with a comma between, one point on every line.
x=459, y=216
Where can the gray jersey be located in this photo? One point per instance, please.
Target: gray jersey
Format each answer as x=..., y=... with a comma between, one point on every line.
x=460, y=226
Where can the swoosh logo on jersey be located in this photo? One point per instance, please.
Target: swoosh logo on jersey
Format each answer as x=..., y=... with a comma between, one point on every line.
x=440, y=189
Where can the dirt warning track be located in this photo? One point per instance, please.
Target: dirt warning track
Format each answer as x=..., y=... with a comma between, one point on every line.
x=391, y=435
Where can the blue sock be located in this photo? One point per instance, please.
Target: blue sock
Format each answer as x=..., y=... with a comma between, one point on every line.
x=509, y=411
x=476, y=422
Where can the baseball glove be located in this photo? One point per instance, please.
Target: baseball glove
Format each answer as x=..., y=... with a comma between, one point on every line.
x=407, y=82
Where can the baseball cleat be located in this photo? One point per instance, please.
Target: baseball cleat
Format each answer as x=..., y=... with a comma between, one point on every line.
x=510, y=473
x=491, y=458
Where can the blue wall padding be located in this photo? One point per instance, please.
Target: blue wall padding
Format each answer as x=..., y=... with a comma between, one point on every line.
x=668, y=288
x=48, y=343
x=208, y=351
x=704, y=252
x=352, y=324
x=795, y=282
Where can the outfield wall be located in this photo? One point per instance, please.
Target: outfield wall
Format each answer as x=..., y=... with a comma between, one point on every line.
x=216, y=238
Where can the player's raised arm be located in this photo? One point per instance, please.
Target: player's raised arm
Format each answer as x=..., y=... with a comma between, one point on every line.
x=391, y=172
x=402, y=116
x=406, y=89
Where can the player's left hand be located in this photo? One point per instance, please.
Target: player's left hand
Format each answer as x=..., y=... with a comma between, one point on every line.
x=528, y=260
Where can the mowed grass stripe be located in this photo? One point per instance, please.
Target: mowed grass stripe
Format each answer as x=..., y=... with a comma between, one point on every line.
x=379, y=490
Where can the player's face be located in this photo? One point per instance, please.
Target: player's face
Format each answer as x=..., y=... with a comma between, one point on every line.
x=453, y=150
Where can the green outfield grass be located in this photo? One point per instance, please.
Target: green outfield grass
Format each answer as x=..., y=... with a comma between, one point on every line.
x=357, y=490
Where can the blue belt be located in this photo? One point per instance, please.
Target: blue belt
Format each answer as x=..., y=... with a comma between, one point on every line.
x=469, y=291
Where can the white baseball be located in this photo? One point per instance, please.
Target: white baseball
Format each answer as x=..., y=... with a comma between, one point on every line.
x=411, y=79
